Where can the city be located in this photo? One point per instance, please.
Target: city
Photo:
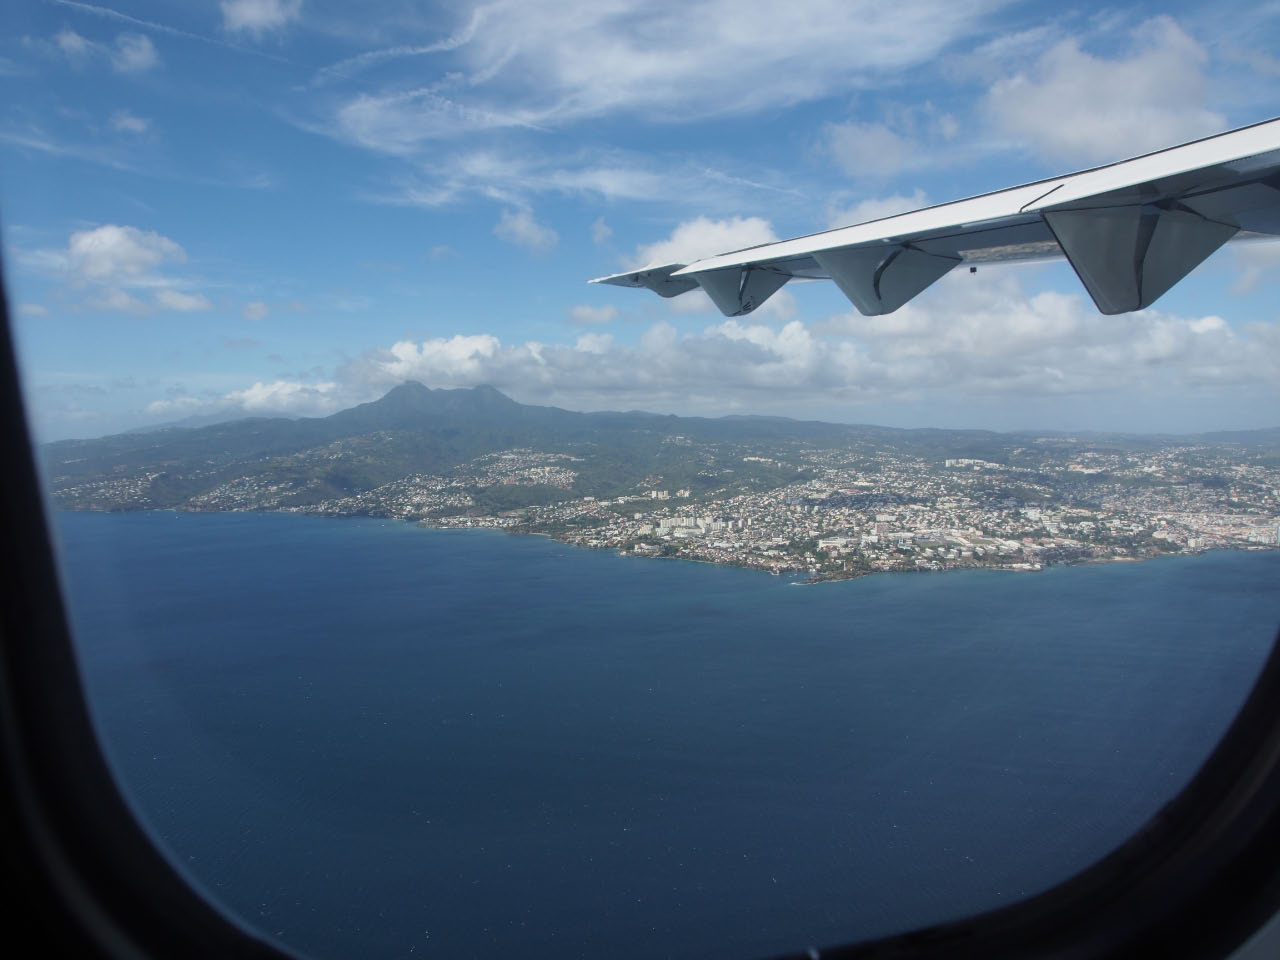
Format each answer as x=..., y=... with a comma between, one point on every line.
x=818, y=511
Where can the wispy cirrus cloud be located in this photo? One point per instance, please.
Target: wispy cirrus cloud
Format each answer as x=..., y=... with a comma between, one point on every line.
x=560, y=62
x=520, y=228
x=516, y=175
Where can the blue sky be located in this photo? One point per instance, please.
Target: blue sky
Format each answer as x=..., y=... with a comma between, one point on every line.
x=266, y=206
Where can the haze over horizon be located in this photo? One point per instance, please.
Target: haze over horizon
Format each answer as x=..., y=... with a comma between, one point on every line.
x=272, y=206
x=197, y=421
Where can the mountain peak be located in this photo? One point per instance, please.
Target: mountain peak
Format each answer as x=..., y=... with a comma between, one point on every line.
x=413, y=389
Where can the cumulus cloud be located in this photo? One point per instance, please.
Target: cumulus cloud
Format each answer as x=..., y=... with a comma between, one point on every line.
x=178, y=401
x=968, y=339
x=73, y=45
x=255, y=310
x=988, y=336
x=876, y=208
x=133, y=53
x=286, y=396
x=702, y=237
x=600, y=231
x=112, y=259
x=169, y=299
x=971, y=336
x=113, y=253
x=587, y=316
x=127, y=122
x=520, y=228
x=258, y=16
x=1077, y=106
x=597, y=343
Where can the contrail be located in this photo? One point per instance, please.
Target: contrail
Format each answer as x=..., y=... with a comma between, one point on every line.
x=345, y=68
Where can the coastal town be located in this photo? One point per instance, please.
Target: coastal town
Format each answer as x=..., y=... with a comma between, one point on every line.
x=816, y=501
x=855, y=513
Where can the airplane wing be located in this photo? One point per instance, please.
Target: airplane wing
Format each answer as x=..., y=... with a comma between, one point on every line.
x=1131, y=230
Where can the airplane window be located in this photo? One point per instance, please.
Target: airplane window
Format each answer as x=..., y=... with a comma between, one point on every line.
x=428, y=598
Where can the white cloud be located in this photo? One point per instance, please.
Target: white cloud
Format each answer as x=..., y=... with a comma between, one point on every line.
x=1073, y=106
x=113, y=298
x=133, y=53
x=255, y=310
x=586, y=316
x=513, y=175
x=983, y=334
x=113, y=253
x=971, y=336
x=112, y=259
x=127, y=122
x=702, y=237
x=73, y=45
x=460, y=356
x=33, y=310
x=258, y=16
x=519, y=227
x=401, y=122
x=868, y=149
x=597, y=343
x=169, y=299
x=970, y=339
x=287, y=396
x=556, y=62
x=876, y=208
x=177, y=404
x=600, y=231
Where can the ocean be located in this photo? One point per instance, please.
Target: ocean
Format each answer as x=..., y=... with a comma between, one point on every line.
x=365, y=739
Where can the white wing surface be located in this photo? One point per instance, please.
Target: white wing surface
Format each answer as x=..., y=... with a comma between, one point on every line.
x=1131, y=230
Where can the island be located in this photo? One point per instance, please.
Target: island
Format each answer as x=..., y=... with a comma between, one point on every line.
x=822, y=501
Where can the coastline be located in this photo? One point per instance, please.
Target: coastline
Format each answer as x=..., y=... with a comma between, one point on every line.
x=812, y=577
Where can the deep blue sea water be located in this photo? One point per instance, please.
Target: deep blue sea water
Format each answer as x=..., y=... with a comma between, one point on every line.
x=370, y=740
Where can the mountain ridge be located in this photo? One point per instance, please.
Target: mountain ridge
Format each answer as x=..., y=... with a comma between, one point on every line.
x=412, y=396
x=414, y=430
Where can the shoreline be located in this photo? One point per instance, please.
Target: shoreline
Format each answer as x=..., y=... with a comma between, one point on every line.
x=809, y=580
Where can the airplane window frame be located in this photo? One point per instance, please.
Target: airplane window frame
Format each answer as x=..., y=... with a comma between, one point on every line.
x=83, y=877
